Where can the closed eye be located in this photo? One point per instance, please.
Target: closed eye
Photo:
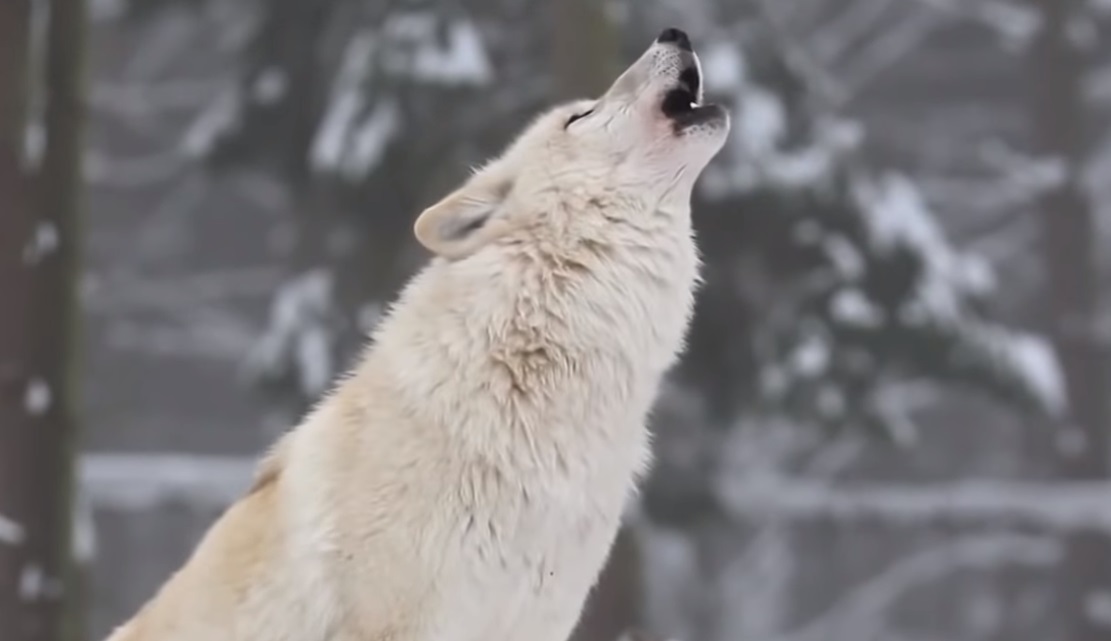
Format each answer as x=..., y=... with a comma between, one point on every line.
x=576, y=117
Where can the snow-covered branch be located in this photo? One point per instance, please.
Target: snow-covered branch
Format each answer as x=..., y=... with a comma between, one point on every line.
x=134, y=482
x=299, y=337
x=1051, y=506
x=139, y=481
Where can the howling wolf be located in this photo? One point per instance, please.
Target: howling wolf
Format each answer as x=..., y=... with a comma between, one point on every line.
x=465, y=481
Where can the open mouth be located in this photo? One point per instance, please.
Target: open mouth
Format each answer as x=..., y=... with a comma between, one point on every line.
x=683, y=103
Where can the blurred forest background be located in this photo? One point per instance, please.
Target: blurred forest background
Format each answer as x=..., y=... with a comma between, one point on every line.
x=891, y=423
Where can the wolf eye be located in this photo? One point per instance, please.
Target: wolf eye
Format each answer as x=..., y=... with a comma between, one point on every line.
x=576, y=117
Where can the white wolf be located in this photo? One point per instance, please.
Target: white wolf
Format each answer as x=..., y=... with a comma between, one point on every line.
x=466, y=480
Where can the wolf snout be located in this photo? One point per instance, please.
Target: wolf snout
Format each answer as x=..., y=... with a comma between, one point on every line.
x=677, y=37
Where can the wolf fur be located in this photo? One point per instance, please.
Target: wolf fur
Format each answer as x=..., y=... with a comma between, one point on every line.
x=464, y=482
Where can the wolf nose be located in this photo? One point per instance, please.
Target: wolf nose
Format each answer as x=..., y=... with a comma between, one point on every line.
x=676, y=36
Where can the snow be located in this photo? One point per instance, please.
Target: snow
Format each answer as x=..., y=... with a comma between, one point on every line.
x=978, y=275
x=298, y=337
x=315, y=359
x=371, y=139
x=897, y=215
x=84, y=543
x=851, y=307
x=44, y=241
x=37, y=398
x=334, y=131
x=270, y=86
x=893, y=404
x=35, y=585
x=1023, y=179
x=785, y=169
x=34, y=144
x=11, y=533
x=356, y=63
x=811, y=356
x=1057, y=507
x=1034, y=359
x=759, y=123
x=138, y=482
x=31, y=583
x=221, y=115
x=412, y=48
x=845, y=257
x=353, y=135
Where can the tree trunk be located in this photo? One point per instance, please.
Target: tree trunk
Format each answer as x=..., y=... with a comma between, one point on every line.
x=585, y=49
x=1072, y=290
x=16, y=500
x=39, y=239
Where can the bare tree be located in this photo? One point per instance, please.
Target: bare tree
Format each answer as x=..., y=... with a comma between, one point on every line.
x=38, y=262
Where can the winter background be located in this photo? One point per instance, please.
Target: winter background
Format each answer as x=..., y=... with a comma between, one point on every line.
x=892, y=420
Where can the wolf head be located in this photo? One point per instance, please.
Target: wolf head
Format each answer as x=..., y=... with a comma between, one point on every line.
x=639, y=147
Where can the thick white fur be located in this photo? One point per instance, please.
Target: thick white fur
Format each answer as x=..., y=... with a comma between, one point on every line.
x=465, y=481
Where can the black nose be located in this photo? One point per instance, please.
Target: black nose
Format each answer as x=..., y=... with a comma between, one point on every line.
x=679, y=37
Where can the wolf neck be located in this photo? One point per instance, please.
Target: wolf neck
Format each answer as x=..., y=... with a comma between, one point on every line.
x=559, y=348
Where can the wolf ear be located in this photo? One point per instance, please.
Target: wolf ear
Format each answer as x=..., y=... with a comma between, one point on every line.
x=466, y=219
